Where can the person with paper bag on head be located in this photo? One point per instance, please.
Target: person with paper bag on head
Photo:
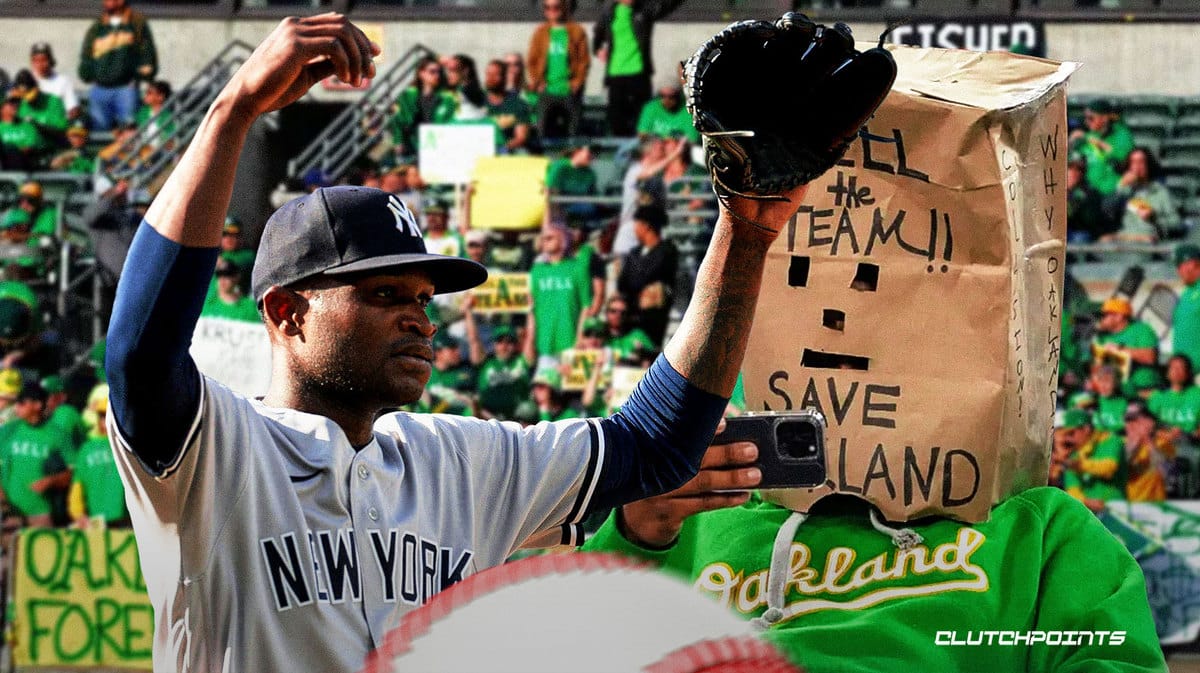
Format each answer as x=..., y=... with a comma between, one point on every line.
x=915, y=302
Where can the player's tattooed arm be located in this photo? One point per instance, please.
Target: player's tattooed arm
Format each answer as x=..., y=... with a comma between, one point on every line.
x=711, y=340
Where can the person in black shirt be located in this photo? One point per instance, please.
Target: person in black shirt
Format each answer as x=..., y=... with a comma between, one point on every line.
x=647, y=277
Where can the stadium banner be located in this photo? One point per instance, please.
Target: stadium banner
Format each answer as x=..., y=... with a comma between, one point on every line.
x=79, y=600
x=952, y=189
x=448, y=152
x=503, y=293
x=234, y=352
x=1164, y=538
x=978, y=33
x=580, y=364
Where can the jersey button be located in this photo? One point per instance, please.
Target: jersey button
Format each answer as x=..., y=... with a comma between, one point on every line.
x=373, y=514
x=363, y=472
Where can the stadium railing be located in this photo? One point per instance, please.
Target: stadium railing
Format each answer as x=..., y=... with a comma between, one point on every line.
x=362, y=125
x=157, y=144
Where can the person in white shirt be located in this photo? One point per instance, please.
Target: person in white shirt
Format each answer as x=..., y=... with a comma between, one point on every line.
x=41, y=62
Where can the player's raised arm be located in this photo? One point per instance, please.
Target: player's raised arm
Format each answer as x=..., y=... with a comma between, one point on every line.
x=764, y=142
x=155, y=389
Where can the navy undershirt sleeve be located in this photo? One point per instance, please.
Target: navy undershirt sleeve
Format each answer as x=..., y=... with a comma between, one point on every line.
x=655, y=443
x=154, y=386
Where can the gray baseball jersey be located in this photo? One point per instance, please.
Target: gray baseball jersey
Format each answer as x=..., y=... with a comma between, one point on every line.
x=272, y=545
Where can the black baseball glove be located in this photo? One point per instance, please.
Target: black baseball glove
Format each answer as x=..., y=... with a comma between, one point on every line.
x=778, y=103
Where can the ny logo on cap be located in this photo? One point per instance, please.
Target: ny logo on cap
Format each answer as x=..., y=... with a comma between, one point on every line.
x=405, y=222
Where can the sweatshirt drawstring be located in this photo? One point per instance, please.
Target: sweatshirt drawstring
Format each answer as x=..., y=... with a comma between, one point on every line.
x=777, y=576
x=780, y=572
x=904, y=538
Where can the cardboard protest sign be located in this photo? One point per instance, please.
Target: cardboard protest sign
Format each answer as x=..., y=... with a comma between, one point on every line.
x=234, y=352
x=624, y=380
x=79, y=600
x=508, y=192
x=448, y=152
x=582, y=363
x=915, y=298
x=502, y=293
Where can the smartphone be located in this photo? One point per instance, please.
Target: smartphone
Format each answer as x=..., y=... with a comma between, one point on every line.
x=791, y=446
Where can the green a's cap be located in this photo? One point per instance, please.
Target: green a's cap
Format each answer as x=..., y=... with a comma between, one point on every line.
x=594, y=324
x=1102, y=106
x=526, y=412
x=16, y=320
x=1186, y=253
x=504, y=332
x=53, y=384
x=15, y=218
x=548, y=377
x=443, y=340
x=15, y=289
x=1143, y=378
x=1071, y=419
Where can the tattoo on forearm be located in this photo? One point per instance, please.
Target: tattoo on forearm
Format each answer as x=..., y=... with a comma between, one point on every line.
x=711, y=341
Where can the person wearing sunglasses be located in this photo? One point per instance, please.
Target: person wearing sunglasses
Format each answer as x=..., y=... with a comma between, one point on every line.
x=426, y=100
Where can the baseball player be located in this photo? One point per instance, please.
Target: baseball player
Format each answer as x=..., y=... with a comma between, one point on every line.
x=290, y=533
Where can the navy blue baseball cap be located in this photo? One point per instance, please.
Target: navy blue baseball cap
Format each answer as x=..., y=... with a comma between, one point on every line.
x=347, y=229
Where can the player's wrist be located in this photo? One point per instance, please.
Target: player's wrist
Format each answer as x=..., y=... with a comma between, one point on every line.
x=660, y=539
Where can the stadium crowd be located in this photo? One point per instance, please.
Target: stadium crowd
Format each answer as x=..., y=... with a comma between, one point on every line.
x=589, y=298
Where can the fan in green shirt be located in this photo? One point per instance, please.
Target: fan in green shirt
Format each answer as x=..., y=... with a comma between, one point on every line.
x=45, y=111
x=1178, y=405
x=228, y=302
x=63, y=415
x=549, y=397
x=1105, y=145
x=20, y=142
x=1185, y=321
x=504, y=378
x=96, y=489
x=630, y=345
x=856, y=602
x=560, y=287
x=29, y=448
x=426, y=100
x=666, y=116
x=1095, y=471
x=452, y=381
x=1121, y=336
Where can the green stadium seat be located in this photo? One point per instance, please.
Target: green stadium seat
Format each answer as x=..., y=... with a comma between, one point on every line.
x=1181, y=149
x=1133, y=106
x=1148, y=128
x=1188, y=125
x=1186, y=106
x=1190, y=206
x=1183, y=188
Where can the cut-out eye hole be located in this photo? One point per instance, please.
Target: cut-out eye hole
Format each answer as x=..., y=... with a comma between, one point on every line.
x=866, y=277
x=834, y=319
x=819, y=360
x=798, y=271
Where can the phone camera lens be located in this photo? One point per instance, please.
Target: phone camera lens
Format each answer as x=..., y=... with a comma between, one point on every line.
x=796, y=439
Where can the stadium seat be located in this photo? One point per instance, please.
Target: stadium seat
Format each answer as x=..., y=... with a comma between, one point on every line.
x=1186, y=106
x=1183, y=188
x=1188, y=125
x=1148, y=128
x=1159, y=106
x=1181, y=149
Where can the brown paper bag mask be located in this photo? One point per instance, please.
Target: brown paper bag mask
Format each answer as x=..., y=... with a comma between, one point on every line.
x=914, y=299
